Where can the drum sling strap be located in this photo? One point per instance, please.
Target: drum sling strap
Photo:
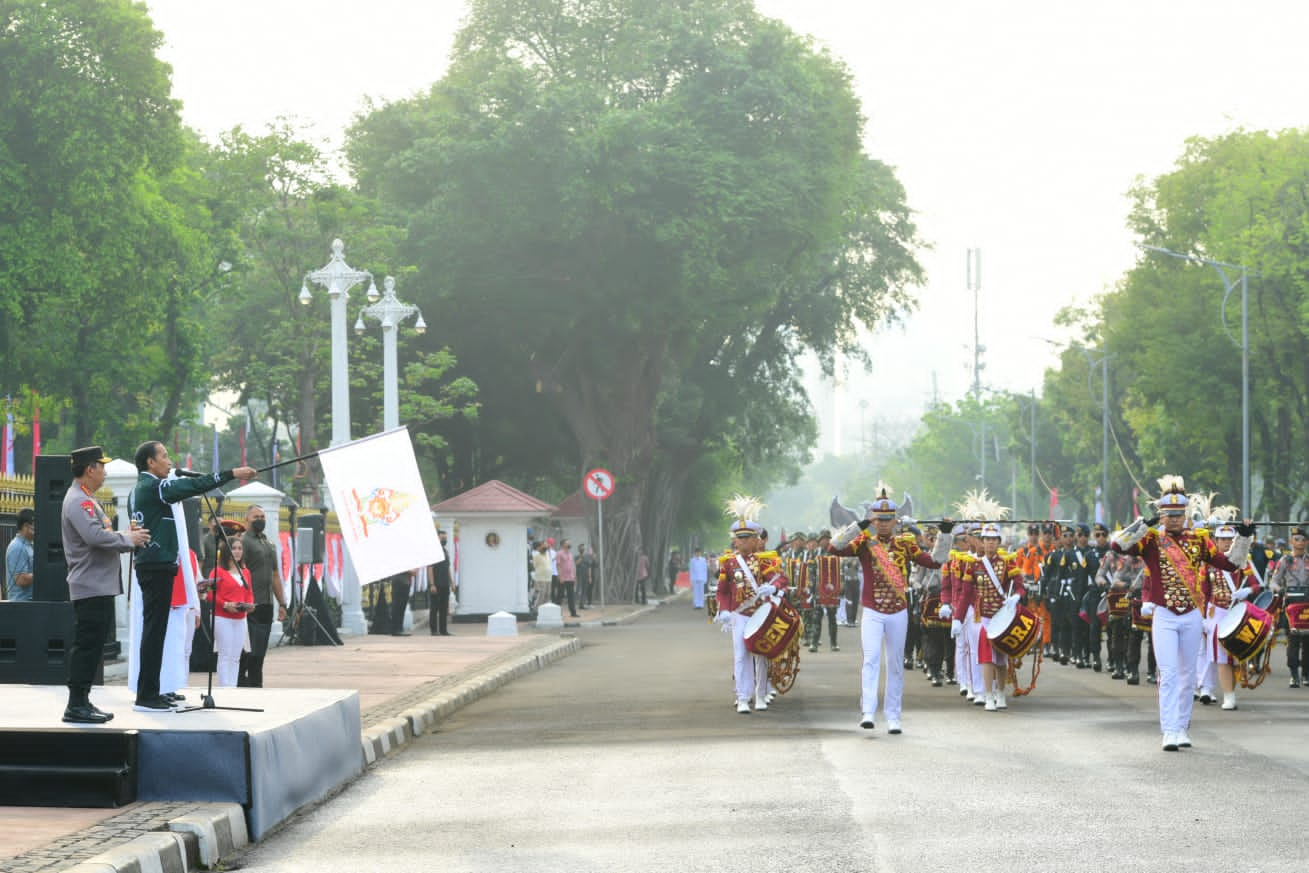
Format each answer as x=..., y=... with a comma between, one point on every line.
x=745, y=569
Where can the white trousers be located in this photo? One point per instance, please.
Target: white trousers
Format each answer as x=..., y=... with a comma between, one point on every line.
x=1177, y=640
x=749, y=670
x=229, y=640
x=878, y=630
x=973, y=631
x=697, y=592
x=1212, y=654
x=963, y=674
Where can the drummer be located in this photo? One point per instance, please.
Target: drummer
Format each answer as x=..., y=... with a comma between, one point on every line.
x=1174, y=577
x=1291, y=580
x=884, y=560
x=745, y=577
x=994, y=579
x=1224, y=590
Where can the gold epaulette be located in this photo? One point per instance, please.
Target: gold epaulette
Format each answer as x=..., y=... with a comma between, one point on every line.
x=766, y=556
x=962, y=556
x=907, y=538
x=1003, y=554
x=1200, y=531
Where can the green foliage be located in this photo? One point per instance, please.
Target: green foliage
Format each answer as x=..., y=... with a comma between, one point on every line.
x=633, y=216
x=104, y=232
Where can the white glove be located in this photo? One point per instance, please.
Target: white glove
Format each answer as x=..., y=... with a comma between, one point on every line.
x=956, y=628
x=945, y=611
x=1147, y=610
x=1012, y=599
x=767, y=590
x=723, y=616
x=1241, y=594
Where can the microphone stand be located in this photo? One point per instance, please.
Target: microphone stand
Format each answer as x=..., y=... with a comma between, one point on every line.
x=207, y=700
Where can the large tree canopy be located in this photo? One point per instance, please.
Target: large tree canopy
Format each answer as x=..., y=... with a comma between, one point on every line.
x=635, y=214
x=103, y=239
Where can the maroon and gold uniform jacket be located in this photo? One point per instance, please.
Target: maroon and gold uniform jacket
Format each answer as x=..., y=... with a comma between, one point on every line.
x=987, y=598
x=827, y=584
x=885, y=566
x=1221, y=585
x=957, y=583
x=1175, y=576
x=734, y=587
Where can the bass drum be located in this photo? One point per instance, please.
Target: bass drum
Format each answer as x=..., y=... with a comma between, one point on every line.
x=772, y=627
x=1244, y=631
x=931, y=614
x=1013, y=630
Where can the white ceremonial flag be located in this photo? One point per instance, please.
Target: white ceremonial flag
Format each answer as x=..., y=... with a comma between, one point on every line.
x=386, y=525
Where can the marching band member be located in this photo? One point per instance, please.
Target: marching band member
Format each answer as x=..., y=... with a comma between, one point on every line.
x=1291, y=580
x=956, y=607
x=745, y=577
x=994, y=575
x=825, y=596
x=884, y=559
x=1173, y=597
x=1121, y=575
x=1224, y=588
x=935, y=635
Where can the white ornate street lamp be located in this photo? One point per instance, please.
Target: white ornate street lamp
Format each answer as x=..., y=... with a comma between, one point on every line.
x=338, y=278
x=390, y=312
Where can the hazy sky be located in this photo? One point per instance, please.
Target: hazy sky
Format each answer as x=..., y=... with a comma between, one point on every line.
x=1015, y=127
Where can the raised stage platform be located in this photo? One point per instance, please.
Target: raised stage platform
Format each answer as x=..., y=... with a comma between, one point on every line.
x=304, y=745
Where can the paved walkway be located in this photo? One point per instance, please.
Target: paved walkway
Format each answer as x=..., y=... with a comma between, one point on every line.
x=405, y=684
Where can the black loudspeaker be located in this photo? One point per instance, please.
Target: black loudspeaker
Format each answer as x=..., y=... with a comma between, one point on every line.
x=191, y=512
x=54, y=475
x=311, y=539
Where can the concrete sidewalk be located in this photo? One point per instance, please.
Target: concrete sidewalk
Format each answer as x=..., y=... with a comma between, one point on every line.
x=406, y=685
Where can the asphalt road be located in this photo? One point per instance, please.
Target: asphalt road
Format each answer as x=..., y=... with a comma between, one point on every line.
x=630, y=757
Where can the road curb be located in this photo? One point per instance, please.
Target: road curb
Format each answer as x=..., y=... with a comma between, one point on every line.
x=217, y=832
x=382, y=739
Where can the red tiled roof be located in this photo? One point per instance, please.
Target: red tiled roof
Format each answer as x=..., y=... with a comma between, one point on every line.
x=493, y=496
x=572, y=506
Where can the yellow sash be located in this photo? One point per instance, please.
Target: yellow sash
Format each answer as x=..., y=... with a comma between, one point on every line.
x=1182, y=567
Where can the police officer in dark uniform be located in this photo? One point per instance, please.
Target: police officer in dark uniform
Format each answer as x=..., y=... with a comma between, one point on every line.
x=1063, y=588
x=1291, y=580
x=1095, y=552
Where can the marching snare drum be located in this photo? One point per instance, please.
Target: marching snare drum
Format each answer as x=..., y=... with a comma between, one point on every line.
x=772, y=627
x=1140, y=622
x=932, y=612
x=1244, y=631
x=1297, y=617
x=1013, y=630
x=1120, y=604
x=1102, y=611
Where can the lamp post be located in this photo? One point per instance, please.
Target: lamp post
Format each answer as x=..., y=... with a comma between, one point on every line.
x=1229, y=285
x=389, y=312
x=338, y=278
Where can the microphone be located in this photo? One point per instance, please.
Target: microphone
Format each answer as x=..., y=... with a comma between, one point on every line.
x=188, y=474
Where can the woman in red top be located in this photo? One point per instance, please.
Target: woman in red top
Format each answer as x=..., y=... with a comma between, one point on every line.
x=233, y=599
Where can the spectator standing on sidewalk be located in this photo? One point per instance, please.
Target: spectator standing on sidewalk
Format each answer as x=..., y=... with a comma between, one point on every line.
x=540, y=574
x=642, y=574
x=438, y=581
x=556, y=590
x=587, y=569
x=20, y=556
x=674, y=568
x=567, y=575
x=698, y=570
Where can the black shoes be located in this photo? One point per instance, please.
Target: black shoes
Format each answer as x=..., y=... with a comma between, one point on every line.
x=1133, y=678
x=85, y=713
x=153, y=704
